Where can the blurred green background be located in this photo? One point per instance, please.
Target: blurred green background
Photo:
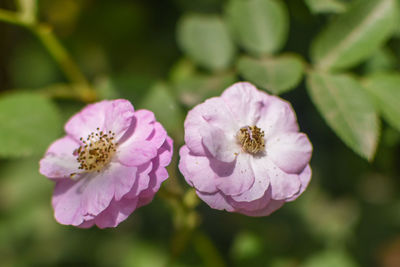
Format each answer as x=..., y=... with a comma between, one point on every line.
x=349, y=216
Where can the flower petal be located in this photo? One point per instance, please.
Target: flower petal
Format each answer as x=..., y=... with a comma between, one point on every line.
x=137, y=153
x=158, y=174
x=305, y=177
x=283, y=185
x=90, y=195
x=222, y=147
x=245, y=102
x=158, y=136
x=233, y=178
x=165, y=152
x=213, y=113
x=291, y=151
x=108, y=115
x=216, y=201
x=272, y=206
x=197, y=172
x=261, y=182
x=256, y=204
x=141, y=182
x=59, y=161
x=277, y=117
x=116, y=212
x=144, y=124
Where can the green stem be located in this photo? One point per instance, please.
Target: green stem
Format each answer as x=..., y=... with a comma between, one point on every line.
x=45, y=34
x=11, y=17
x=67, y=65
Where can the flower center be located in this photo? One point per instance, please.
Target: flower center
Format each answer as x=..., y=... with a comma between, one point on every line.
x=251, y=138
x=96, y=151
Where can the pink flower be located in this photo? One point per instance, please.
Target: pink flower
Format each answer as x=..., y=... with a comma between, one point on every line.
x=244, y=152
x=111, y=162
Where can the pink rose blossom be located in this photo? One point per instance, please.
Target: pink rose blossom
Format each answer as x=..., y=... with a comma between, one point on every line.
x=111, y=162
x=244, y=152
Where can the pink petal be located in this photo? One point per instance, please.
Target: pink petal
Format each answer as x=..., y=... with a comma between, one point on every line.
x=158, y=136
x=197, y=171
x=283, y=185
x=234, y=178
x=213, y=113
x=59, y=161
x=261, y=182
x=245, y=102
x=291, y=151
x=108, y=115
x=90, y=195
x=165, y=152
x=277, y=117
x=144, y=124
x=116, y=212
x=86, y=224
x=305, y=177
x=142, y=181
x=156, y=178
x=215, y=201
x=137, y=153
x=256, y=204
x=158, y=175
x=222, y=146
x=272, y=206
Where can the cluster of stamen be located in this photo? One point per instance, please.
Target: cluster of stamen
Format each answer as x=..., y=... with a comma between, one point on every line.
x=96, y=151
x=251, y=138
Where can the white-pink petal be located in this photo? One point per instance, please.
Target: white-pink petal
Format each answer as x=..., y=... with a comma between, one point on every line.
x=216, y=201
x=283, y=185
x=289, y=151
x=236, y=177
x=197, y=171
x=245, y=102
x=277, y=117
x=59, y=161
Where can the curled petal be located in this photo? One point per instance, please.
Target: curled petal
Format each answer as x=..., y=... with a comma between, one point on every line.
x=305, y=177
x=116, y=212
x=197, y=171
x=216, y=201
x=283, y=185
x=272, y=206
x=290, y=151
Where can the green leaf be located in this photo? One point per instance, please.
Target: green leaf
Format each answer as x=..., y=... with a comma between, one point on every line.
x=275, y=74
x=355, y=35
x=326, y=6
x=385, y=90
x=206, y=40
x=345, y=106
x=166, y=109
x=382, y=60
x=28, y=123
x=260, y=26
x=197, y=87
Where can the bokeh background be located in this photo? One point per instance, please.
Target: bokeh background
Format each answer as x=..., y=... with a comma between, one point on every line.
x=349, y=216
